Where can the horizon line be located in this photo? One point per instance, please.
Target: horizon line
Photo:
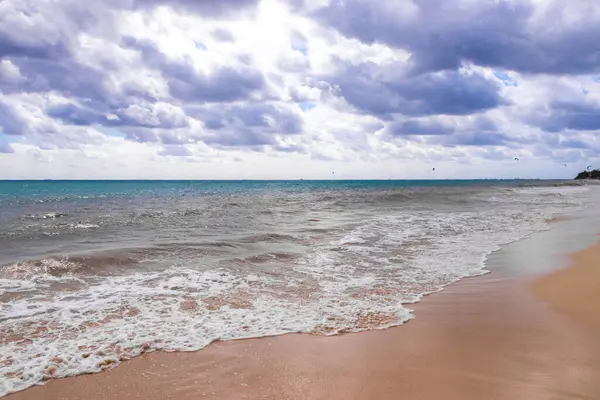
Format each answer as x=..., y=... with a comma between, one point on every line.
x=270, y=180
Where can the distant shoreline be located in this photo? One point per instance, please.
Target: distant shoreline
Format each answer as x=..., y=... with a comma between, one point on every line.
x=294, y=180
x=587, y=174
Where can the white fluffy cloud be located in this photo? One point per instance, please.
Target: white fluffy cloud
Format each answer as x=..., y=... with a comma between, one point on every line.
x=298, y=89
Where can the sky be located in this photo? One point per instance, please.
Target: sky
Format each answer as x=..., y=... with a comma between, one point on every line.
x=289, y=89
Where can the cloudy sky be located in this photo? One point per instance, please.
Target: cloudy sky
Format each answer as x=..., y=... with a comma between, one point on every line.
x=198, y=89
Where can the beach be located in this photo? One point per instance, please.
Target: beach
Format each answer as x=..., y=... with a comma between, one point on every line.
x=574, y=290
x=497, y=336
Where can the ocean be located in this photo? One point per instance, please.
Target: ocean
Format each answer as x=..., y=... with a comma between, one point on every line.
x=96, y=272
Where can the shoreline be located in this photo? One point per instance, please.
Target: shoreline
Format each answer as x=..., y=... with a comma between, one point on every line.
x=514, y=340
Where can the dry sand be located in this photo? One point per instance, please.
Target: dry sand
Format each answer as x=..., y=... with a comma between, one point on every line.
x=575, y=290
x=482, y=338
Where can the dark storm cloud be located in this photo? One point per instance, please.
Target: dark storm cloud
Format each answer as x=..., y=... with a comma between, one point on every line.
x=151, y=116
x=10, y=46
x=10, y=121
x=382, y=91
x=87, y=85
x=575, y=144
x=44, y=54
x=39, y=40
x=138, y=115
x=72, y=79
x=570, y=140
x=18, y=39
x=49, y=30
x=481, y=139
x=212, y=122
x=66, y=77
x=224, y=85
x=512, y=35
x=450, y=93
x=570, y=155
x=239, y=138
x=74, y=115
x=484, y=132
x=481, y=132
x=42, y=132
x=185, y=83
x=563, y=116
x=265, y=117
x=419, y=128
x=251, y=125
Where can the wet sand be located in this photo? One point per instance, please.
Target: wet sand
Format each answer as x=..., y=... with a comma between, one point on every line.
x=489, y=337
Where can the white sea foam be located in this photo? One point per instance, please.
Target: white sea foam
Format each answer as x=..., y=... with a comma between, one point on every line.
x=48, y=215
x=358, y=280
x=85, y=226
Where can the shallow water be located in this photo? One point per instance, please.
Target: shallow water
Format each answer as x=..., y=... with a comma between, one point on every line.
x=95, y=272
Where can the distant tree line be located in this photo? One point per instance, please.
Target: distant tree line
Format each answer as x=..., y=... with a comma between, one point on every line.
x=593, y=174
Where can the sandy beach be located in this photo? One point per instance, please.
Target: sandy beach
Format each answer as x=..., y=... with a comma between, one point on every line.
x=492, y=337
x=575, y=290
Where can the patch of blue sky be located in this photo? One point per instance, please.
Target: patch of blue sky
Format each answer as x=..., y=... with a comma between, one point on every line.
x=199, y=45
x=110, y=131
x=306, y=106
x=302, y=50
x=4, y=138
x=506, y=79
